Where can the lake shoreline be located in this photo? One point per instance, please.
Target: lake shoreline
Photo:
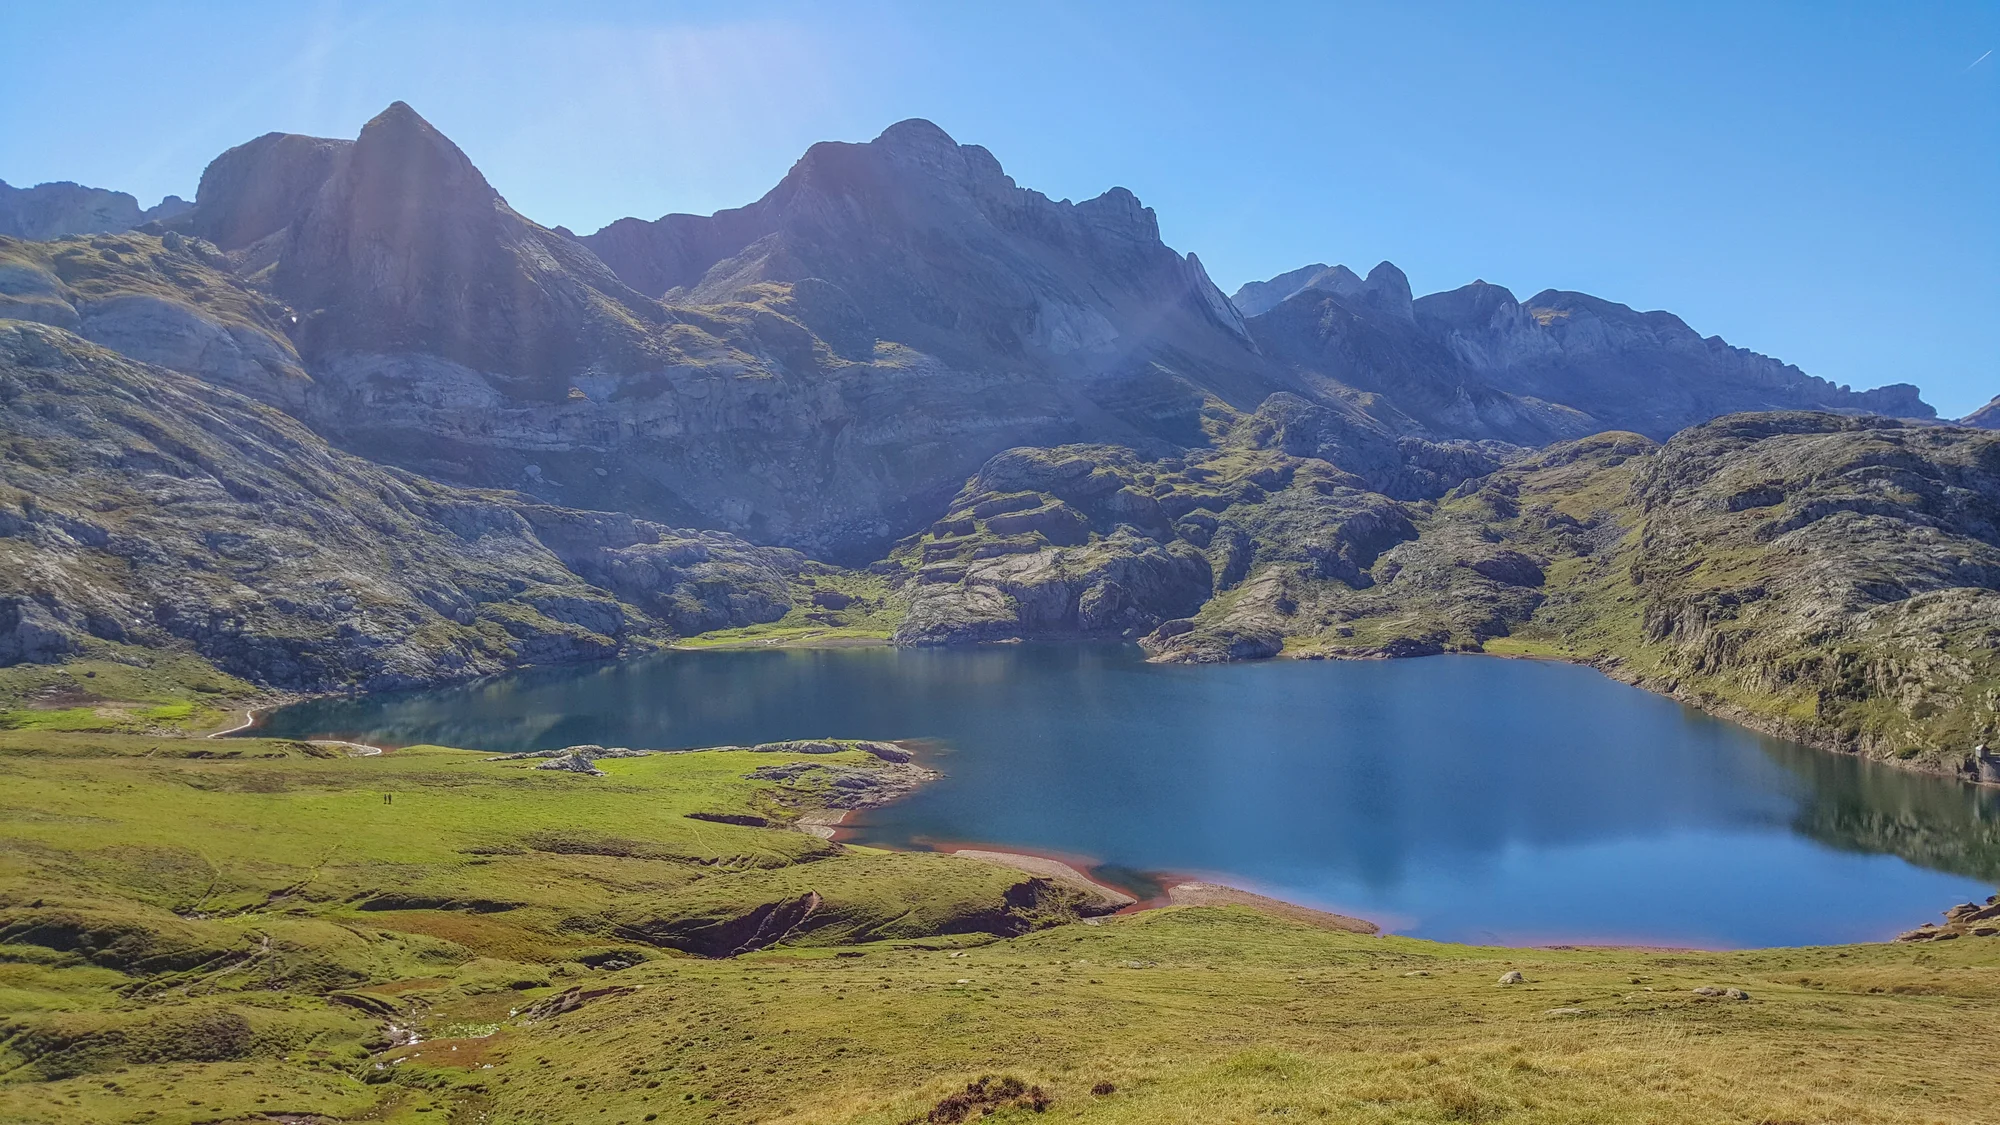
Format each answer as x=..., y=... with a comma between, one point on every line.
x=1809, y=734
x=1168, y=889
x=1613, y=668
x=1039, y=731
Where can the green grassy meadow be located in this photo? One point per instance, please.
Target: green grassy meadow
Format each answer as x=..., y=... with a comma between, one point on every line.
x=251, y=930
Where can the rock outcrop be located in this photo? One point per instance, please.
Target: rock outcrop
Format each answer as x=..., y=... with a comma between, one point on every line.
x=1967, y=919
x=54, y=210
x=1099, y=541
x=166, y=300
x=1986, y=417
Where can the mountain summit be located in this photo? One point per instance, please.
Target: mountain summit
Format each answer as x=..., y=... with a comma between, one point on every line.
x=407, y=247
x=944, y=252
x=1384, y=287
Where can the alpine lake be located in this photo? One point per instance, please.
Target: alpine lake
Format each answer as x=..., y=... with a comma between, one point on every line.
x=1460, y=798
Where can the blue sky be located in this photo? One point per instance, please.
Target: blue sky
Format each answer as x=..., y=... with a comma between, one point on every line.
x=1816, y=181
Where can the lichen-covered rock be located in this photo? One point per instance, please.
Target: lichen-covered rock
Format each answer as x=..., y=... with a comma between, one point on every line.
x=1123, y=584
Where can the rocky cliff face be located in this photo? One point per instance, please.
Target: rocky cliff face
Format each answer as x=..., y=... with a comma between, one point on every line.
x=143, y=510
x=53, y=210
x=262, y=187
x=406, y=249
x=943, y=252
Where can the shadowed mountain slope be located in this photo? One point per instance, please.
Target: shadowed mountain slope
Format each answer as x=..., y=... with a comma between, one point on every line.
x=940, y=249
x=887, y=318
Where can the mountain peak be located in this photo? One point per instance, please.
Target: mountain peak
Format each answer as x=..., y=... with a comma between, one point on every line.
x=1119, y=212
x=263, y=186
x=406, y=247
x=916, y=134
x=1385, y=288
x=408, y=152
x=1388, y=288
x=1386, y=273
x=920, y=146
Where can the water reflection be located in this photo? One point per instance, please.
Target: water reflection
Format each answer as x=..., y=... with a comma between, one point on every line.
x=1460, y=797
x=1862, y=806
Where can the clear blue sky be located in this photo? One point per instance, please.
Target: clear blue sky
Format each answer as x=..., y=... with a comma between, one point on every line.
x=1817, y=181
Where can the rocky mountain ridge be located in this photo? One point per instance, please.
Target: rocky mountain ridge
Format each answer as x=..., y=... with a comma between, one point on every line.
x=1477, y=362
x=53, y=210
x=822, y=367
x=447, y=334
x=942, y=249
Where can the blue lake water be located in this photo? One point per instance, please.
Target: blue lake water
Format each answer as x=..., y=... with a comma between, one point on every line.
x=1462, y=798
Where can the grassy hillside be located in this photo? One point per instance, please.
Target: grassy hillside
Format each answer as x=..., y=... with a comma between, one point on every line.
x=200, y=931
